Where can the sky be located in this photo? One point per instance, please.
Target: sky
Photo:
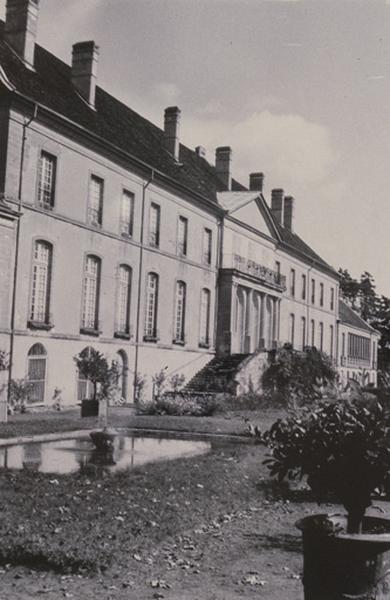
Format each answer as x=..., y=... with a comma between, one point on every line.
x=300, y=89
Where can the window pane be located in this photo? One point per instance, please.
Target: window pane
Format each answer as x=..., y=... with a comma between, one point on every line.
x=151, y=306
x=205, y=317
x=95, y=201
x=46, y=180
x=154, y=225
x=41, y=275
x=182, y=236
x=180, y=300
x=123, y=300
x=90, y=293
x=127, y=213
x=207, y=242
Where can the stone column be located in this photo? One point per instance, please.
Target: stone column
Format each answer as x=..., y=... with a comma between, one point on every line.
x=261, y=341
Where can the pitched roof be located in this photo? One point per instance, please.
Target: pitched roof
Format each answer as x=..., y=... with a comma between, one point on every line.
x=50, y=85
x=348, y=316
x=292, y=240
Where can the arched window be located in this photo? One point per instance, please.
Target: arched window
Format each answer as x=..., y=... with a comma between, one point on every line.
x=313, y=334
x=180, y=310
x=41, y=282
x=205, y=318
x=291, y=334
x=123, y=365
x=321, y=335
x=36, y=372
x=91, y=288
x=122, y=325
x=84, y=385
x=303, y=332
x=151, y=306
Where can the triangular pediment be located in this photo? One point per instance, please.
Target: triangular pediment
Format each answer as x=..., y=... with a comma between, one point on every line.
x=250, y=209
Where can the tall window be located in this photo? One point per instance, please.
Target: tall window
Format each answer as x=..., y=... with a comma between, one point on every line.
x=122, y=325
x=321, y=294
x=303, y=295
x=343, y=345
x=95, y=201
x=303, y=332
x=127, y=213
x=292, y=282
x=180, y=309
x=321, y=332
x=205, y=318
x=313, y=291
x=151, y=307
x=182, y=236
x=154, y=225
x=46, y=180
x=41, y=279
x=207, y=246
x=331, y=331
x=331, y=298
x=291, y=334
x=313, y=334
x=36, y=371
x=91, y=288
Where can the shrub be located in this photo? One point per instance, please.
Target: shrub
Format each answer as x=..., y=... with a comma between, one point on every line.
x=342, y=448
x=20, y=391
x=181, y=404
x=94, y=366
x=294, y=377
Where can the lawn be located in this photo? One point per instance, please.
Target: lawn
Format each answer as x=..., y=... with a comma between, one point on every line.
x=210, y=527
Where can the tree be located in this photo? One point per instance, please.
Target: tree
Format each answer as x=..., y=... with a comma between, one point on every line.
x=94, y=366
x=349, y=288
x=368, y=299
x=297, y=377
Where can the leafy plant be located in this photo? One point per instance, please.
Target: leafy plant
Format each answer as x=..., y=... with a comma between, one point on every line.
x=94, y=366
x=177, y=381
x=181, y=404
x=20, y=391
x=342, y=448
x=159, y=382
x=139, y=385
x=294, y=377
x=4, y=360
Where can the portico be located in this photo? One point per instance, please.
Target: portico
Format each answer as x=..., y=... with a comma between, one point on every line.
x=250, y=297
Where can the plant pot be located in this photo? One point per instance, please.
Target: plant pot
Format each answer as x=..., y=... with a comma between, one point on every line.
x=346, y=566
x=103, y=440
x=89, y=408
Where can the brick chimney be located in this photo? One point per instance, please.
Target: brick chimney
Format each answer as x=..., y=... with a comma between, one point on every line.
x=256, y=181
x=200, y=151
x=277, y=205
x=223, y=166
x=20, y=30
x=84, y=69
x=288, y=216
x=172, y=130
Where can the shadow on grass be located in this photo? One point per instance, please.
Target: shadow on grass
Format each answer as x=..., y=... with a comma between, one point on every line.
x=285, y=542
x=274, y=490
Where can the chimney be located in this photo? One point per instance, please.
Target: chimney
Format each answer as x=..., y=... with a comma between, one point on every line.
x=172, y=130
x=20, y=30
x=223, y=165
x=84, y=69
x=201, y=151
x=288, y=212
x=256, y=181
x=277, y=205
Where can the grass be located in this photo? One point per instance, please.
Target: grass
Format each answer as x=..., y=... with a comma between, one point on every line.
x=203, y=524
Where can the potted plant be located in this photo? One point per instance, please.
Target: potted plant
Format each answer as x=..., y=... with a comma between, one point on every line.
x=342, y=448
x=94, y=366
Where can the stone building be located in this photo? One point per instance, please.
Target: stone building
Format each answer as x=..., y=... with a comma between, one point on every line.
x=117, y=236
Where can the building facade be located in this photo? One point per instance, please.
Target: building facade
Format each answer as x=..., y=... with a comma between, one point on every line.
x=118, y=237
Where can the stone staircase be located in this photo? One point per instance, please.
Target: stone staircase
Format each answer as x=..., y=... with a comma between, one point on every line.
x=217, y=375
